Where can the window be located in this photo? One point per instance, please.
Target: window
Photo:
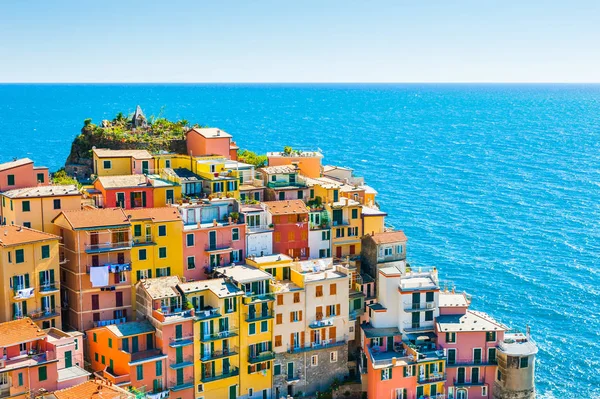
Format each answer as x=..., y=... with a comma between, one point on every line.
x=42, y=373
x=429, y=296
x=158, y=368
x=386, y=374
x=10, y=180
x=167, y=163
x=27, y=224
x=325, y=235
x=45, y=251
x=163, y=271
x=492, y=356
x=57, y=204
x=300, y=194
x=333, y=289
x=387, y=251
x=107, y=164
x=96, y=356
x=314, y=360
x=264, y=326
x=399, y=249
x=279, y=299
x=95, y=337
x=20, y=379
x=319, y=290
x=250, y=392
x=230, y=305
x=162, y=252
x=429, y=315
x=279, y=318
x=19, y=256
x=354, y=213
x=296, y=316
x=499, y=375
x=333, y=357
x=490, y=336
x=190, y=240
x=137, y=230
x=296, y=297
x=26, y=206
x=524, y=362
x=450, y=337
x=278, y=340
x=142, y=254
x=110, y=342
x=140, y=372
x=191, y=262
x=235, y=234
x=251, y=328
x=276, y=367
x=162, y=231
x=483, y=391
x=103, y=360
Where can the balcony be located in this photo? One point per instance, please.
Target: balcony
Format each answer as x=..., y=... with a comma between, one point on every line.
x=166, y=312
x=180, y=385
x=322, y=323
x=207, y=357
x=292, y=379
x=209, y=377
x=145, y=355
x=206, y=314
x=108, y=247
x=48, y=288
x=143, y=240
x=250, y=298
x=175, y=342
x=157, y=395
x=22, y=292
x=219, y=335
x=328, y=343
x=112, y=267
x=471, y=362
x=184, y=361
x=259, y=228
x=261, y=357
x=464, y=383
x=30, y=359
x=418, y=327
x=256, y=316
x=281, y=184
x=219, y=247
x=419, y=307
x=432, y=377
x=43, y=314
x=102, y=323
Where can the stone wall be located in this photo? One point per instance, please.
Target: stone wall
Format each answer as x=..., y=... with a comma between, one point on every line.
x=349, y=391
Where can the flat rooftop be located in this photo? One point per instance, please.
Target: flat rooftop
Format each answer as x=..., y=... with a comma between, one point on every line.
x=219, y=286
x=261, y=260
x=210, y=132
x=136, y=154
x=161, y=287
x=470, y=321
x=131, y=328
x=243, y=273
x=453, y=300
x=43, y=191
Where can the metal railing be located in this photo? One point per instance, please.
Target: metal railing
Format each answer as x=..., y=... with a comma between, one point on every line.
x=310, y=346
x=184, y=361
x=261, y=357
x=418, y=327
x=219, y=335
x=218, y=246
x=177, y=341
x=108, y=246
x=49, y=286
x=207, y=313
x=232, y=372
x=418, y=306
x=40, y=314
x=464, y=382
x=231, y=351
x=432, y=377
x=101, y=323
x=259, y=315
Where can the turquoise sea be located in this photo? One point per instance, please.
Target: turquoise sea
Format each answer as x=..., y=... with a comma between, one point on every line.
x=497, y=185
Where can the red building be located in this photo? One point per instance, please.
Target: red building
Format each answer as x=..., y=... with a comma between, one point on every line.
x=290, y=223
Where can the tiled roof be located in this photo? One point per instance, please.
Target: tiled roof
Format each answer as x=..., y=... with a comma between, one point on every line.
x=389, y=237
x=92, y=217
x=209, y=133
x=42, y=191
x=281, y=169
x=289, y=207
x=18, y=235
x=131, y=328
x=92, y=390
x=124, y=181
x=137, y=154
x=18, y=331
x=15, y=163
x=163, y=214
x=161, y=287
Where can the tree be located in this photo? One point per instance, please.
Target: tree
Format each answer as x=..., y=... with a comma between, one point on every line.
x=252, y=158
x=287, y=150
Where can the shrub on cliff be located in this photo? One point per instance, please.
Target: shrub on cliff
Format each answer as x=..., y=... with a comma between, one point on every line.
x=252, y=158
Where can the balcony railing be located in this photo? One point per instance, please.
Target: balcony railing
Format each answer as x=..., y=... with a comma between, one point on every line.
x=147, y=354
x=221, y=246
x=181, y=341
x=218, y=354
x=417, y=327
x=219, y=335
x=48, y=287
x=280, y=184
x=180, y=385
x=261, y=357
x=419, y=306
x=471, y=362
x=464, y=383
x=250, y=297
x=232, y=372
x=43, y=313
x=184, y=361
x=143, y=240
x=101, y=323
x=256, y=316
x=108, y=246
x=310, y=346
x=22, y=292
x=207, y=313
x=432, y=377
x=112, y=267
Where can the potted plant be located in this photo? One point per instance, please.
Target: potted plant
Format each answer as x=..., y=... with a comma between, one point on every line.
x=235, y=216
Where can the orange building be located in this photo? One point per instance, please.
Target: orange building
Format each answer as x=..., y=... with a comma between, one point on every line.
x=290, y=223
x=92, y=389
x=210, y=141
x=308, y=162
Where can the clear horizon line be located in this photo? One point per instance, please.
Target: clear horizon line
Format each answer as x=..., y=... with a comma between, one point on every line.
x=300, y=83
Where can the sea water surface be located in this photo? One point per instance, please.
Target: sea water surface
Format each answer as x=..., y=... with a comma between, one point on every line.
x=496, y=185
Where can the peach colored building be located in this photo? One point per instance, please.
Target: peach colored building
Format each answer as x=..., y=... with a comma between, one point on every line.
x=22, y=173
x=308, y=162
x=211, y=237
x=210, y=141
x=96, y=274
x=33, y=360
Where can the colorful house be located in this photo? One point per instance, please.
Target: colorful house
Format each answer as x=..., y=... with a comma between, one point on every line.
x=220, y=178
x=346, y=227
x=308, y=162
x=22, y=173
x=210, y=141
x=90, y=390
x=121, y=162
x=36, y=207
x=217, y=306
x=383, y=250
x=29, y=266
x=259, y=234
x=157, y=244
x=96, y=273
x=134, y=191
x=319, y=232
x=127, y=355
x=284, y=183
x=161, y=302
x=255, y=330
x=35, y=360
x=290, y=223
x=211, y=236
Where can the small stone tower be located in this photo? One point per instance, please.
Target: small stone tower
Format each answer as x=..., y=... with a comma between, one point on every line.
x=516, y=367
x=139, y=119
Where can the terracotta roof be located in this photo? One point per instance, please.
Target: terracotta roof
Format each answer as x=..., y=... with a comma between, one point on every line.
x=43, y=191
x=18, y=235
x=388, y=237
x=210, y=132
x=92, y=390
x=93, y=217
x=15, y=163
x=18, y=331
x=289, y=207
x=124, y=181
x=106, y=153
x=163, y=214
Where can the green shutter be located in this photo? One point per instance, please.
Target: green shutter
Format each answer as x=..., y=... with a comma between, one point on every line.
x=42, y=278
x=19, y=256
x=138, y=275
x=110, y=342
x=52, y=303
x=158, y=368
x=252, y=328
x=45, y=251
x=26, y=280
x=140, y=372
x=42, y=373
x=24, y=305
x=52, y=276
x=20, y=379
x=144, y=199
x=132, y=198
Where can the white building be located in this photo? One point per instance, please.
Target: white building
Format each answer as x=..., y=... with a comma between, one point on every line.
x=259, y=236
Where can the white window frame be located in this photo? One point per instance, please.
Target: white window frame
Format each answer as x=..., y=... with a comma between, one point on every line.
x=187, y=265
x=104, y=164
x=168, y=165
x=333, y=357
x=388, y=251
x=385, y=374
x=314, y=360
x=193, y=240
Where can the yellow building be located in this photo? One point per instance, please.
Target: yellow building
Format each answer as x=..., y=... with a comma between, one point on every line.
x=373, y=220
x=346, y=227
x=29, y=267
x=217, y=304
x=36, y=207
x=255, y=329
x=121, y=162
x=157, y=243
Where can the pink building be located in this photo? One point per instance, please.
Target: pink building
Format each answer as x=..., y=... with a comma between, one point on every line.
x=21, y=173
x=210, y=141
x=211, y=237
x=470, y=340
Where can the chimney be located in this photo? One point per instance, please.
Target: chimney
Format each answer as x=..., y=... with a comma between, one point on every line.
x=218, y=132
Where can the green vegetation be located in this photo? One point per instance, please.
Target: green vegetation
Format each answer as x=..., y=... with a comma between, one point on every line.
x=61, y=177
x=252, y=158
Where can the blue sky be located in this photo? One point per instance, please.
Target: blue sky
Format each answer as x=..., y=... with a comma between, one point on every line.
x=300, y=41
